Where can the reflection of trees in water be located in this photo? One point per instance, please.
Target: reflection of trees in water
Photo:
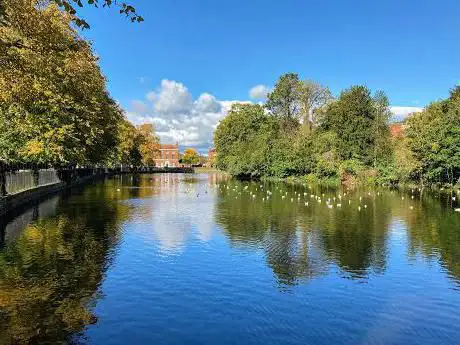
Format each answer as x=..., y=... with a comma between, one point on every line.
x=356, y=240
x=300, y=242
x=434, y=231
x=49, y=274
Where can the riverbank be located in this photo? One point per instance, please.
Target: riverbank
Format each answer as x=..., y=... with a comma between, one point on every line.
x=69, y=179
x=357, y=182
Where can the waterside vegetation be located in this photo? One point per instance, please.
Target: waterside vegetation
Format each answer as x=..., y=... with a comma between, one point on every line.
x=304, y=133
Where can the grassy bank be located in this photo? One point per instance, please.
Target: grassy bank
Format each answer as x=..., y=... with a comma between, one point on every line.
x=201, y=170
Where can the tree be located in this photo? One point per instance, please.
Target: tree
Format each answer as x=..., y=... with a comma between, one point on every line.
x=150, y=144
x=284, y=101
x=382, y=143
x=127, y=151
x=352, y=117
x=244, y=139
x=312, y=96
x=191, y=156
x=69, y=6
x=434, y=138
x=54, y=106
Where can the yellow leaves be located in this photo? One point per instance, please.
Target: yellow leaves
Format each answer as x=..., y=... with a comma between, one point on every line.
x=150, y=145
x=33, y=147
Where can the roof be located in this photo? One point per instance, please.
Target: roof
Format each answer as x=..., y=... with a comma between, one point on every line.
x=168, y=146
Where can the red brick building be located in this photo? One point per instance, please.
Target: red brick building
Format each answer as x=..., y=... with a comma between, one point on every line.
x=169, y=156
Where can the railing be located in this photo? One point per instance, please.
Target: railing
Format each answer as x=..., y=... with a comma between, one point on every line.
x=19, y=181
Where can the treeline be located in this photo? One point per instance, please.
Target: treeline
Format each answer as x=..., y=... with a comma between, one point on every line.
x=303, y=130
x=55, y=109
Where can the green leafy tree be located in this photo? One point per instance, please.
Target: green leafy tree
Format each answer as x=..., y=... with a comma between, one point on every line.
x=355, y=120
x=243, y=141
x=284, y=101
x=434, y=138
x=382, y=142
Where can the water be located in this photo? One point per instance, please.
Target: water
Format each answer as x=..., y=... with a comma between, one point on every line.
x=196, y=259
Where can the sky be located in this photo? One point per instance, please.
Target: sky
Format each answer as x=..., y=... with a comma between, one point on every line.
x=191, y=59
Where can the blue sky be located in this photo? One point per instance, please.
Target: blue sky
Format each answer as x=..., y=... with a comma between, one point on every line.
x=408, y=48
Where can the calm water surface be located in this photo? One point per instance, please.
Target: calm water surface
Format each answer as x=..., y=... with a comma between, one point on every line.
x=203, y=259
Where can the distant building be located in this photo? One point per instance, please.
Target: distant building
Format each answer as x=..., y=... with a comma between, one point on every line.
x=169, y=156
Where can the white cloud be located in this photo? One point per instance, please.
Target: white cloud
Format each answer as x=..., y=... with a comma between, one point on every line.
x=400, y=113
x=259, y=92
x=179, y=118
x=171, y=98
x=207, y=103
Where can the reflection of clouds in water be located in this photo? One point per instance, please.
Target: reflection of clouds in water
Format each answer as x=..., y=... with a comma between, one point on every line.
x=203, y=219
x=170, y=223
x=183, y=209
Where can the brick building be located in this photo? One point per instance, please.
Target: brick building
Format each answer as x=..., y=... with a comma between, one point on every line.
x=169, y=156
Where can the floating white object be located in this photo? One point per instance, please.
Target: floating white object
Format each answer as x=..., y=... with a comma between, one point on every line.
x=457, y=210
x=339, y=205
x=118, y=189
